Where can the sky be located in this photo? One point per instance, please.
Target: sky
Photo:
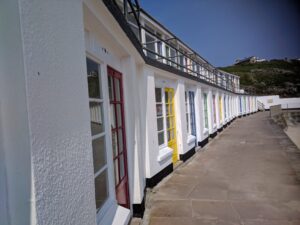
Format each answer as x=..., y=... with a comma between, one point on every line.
x=225, y=30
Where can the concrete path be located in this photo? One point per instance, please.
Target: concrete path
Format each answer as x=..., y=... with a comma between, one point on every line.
x=245, y=176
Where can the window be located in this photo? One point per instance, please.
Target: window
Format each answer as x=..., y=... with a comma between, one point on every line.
x=187, y=113
x=220, y=106
x=133, y=25
x=159, y=46
x=181, y=61
x=159, y=116
x=214, y=108
x=225, y=105
x=98, y=132
x=190, y=112
x=150, y=45
x=165, y=116
x=205, y=111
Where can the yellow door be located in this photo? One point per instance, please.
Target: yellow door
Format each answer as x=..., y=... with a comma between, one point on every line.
x=171, y=124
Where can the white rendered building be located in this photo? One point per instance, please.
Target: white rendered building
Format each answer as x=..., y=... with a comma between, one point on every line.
x=97, y=104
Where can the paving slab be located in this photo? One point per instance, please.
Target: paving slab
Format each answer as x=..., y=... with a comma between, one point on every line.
x=247, y=175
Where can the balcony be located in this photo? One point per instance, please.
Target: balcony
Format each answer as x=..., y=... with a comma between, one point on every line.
x=161, y=45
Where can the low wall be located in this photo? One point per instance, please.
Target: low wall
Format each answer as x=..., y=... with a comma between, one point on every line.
x=286, y=103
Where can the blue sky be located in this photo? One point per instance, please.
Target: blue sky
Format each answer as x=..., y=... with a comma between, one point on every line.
x=225, y=30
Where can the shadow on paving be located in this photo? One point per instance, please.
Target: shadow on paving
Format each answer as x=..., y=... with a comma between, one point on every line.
x=248, y=175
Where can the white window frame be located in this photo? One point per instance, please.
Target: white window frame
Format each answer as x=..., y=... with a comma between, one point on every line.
x=111, y=199
x=205, y=114
x=214, y=107
x=163, y=102
x=188, y=112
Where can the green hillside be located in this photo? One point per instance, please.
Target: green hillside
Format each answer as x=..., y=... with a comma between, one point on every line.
x=275, y=77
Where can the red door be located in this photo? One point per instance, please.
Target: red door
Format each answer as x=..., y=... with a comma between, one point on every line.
x=118, y=136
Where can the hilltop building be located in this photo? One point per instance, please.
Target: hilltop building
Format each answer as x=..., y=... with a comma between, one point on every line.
x=251, y=59
x=99, y=101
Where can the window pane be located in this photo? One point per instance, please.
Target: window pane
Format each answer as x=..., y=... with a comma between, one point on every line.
x=187, y=122
x=96, y=115
x=169, y=137
x=151, y=46
x=99, y=153
x=93, y=78
x=159, y=109
x=114, y=143
x=160, y=124
x=161, y=138
x=117, y=89
x=158, y=95
x=101, y=188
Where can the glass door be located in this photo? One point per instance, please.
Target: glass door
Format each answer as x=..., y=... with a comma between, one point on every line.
x=118, y=136
x=170, y=118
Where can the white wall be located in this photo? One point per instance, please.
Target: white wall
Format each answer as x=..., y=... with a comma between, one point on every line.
x=58, y=111
x=276, y=100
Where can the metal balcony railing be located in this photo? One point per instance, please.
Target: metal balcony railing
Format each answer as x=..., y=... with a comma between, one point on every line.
x=170, y=50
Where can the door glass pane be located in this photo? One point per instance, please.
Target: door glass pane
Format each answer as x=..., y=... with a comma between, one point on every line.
x=169, y=123
x=172, y=134
x=101, y=189
x=122, y=169
x=110, y=88
x=159, y=109
x=117, y=89
x=160, y=124
x=167, y=109
x=119, y=115
x=99, y=153
x=161, y=138
x=166, y=97
x=120, y=140
x=112, y=116
x=93, y=79
x=114, y=143
x=158, y=95
x=117, y=180
x=96, y=115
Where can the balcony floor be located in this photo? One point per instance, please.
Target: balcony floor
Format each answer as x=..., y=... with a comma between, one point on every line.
x=246, y=176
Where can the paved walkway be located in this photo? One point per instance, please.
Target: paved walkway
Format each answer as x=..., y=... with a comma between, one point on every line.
x=245, y=176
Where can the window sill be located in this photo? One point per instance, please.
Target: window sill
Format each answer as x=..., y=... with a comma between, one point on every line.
x=164, y=154
x=122, y=216
x=191, y=139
